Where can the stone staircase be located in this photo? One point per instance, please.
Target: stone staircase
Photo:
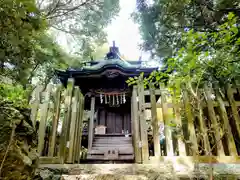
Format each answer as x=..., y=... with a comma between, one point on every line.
x=111, y=148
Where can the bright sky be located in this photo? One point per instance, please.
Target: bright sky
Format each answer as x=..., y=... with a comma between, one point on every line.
x=125, y=32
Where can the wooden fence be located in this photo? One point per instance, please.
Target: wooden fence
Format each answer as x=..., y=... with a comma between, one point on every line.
x=202, y=127
x=57, y=113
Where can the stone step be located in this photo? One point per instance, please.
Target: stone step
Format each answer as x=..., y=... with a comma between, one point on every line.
x=102, y=157
x=101, y=150
x=103, y=176
x=112, y=145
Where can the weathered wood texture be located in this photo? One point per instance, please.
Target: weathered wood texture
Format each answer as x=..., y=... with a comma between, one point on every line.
x=57, y=115
x=211, y=117
x=143, y=124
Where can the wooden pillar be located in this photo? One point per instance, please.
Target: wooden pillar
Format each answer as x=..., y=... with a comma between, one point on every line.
x=178, y=121
x=166, y=119
x=91, y=124
x=73, y=125
x=143, y=123
x=227, y=128
x=43, y=119
x=135, y=120
x=233, y=107
x=216, y=125
x=155, y=126
x=191, y=129
x=57, y=104
x=66, y=120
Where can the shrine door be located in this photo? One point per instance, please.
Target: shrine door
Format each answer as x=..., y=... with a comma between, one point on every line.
x=115, y=119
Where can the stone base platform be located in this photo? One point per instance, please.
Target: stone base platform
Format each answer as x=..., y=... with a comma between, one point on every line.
x=163, y=170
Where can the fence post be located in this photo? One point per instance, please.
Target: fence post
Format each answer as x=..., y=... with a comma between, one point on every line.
x=79, y=126
x=233, y=107
x=66, y=121
x=73, y=124
x=57, y=103
x=155, y=126
x=35, y=105
x=135, y=120
x=166, y=119
x=143, y=124
x=180, y=142
x=213, y=119
x=191, y=129
x=203, y=126
x=43, y=119
x=227, y=128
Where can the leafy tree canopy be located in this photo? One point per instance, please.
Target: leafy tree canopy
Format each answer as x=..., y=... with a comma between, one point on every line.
x=206, y=57
x=163, y=22
x=82, y=21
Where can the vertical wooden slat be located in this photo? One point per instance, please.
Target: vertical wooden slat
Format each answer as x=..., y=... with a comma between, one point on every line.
x=166, y=119
x=80, y=126
x=43, y=119
x=156, y=140
x=203, y=127
x=73, y=122
x=233, y=107
x=136, y=134
x=226, y=125
x=143, y=123
x=213, y=119
x=176, y=108
x=35, y=105
x=91, y=123
x=66, y=120
x=191, y=129
x=57, y=104
x=77, y=124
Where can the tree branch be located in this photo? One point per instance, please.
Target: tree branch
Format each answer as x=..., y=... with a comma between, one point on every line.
x=70, y=10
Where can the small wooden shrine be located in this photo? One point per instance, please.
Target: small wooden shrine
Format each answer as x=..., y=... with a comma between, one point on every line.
x=108, y=97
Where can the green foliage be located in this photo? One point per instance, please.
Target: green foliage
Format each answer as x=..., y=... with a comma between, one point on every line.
x=81, y=21
x=20, y=23
x=205, y=57
x=163, y=22
x=15, y=94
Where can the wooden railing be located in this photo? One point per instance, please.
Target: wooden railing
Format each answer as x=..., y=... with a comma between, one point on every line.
x=57, y=114
x=200, y=127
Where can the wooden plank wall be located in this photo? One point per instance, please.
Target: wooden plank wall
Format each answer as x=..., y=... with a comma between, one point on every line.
x=57, y=108
x=211, y=131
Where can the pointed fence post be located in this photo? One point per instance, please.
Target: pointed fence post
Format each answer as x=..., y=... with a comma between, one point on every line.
x=143, y=123
x=203, y=126
x=79, y=127
x=167, y=123
x=178, y=121
x=57, y=103
x=73, y=125
x=136, y=131
x=35, y=104
x=213, y=119
x=226, y=125
x=66, y=121
x=43, y=119
x=155, y=126
x=191, y=129
x=233, y=107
